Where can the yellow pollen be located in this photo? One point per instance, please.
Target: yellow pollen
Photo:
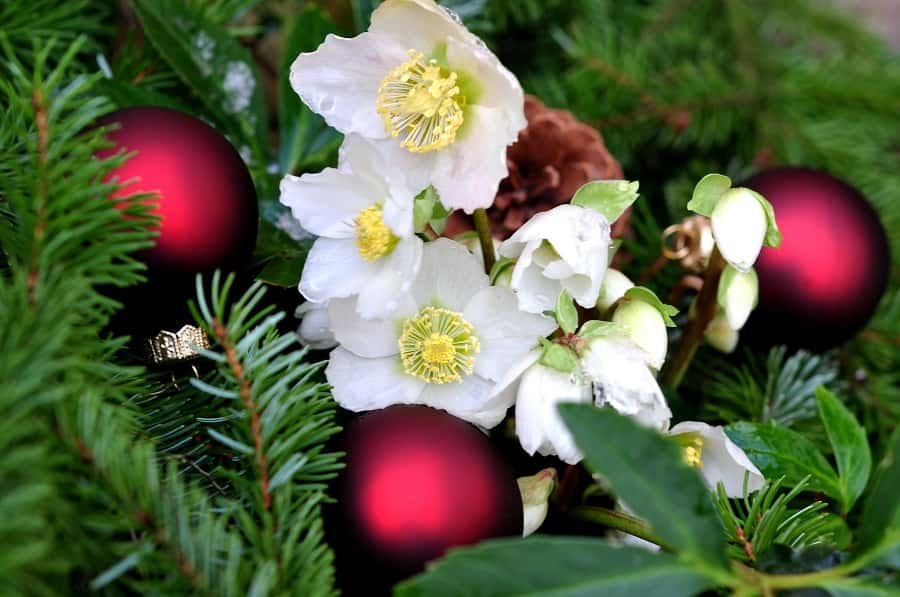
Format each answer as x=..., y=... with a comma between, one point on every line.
x=373, y=238
x=437, y=346
x=692, y=448
x=420, y=102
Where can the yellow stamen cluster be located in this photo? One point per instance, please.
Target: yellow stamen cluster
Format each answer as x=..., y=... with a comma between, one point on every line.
x=692, y=448
x=373, y=238
x=421, y=101
x=437, y=346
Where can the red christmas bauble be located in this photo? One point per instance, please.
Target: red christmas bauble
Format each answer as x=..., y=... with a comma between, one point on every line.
x=206, y=202
x=824, y=282
x=418, y=481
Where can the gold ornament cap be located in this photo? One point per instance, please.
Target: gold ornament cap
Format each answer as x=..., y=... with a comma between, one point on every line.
x=168, y=347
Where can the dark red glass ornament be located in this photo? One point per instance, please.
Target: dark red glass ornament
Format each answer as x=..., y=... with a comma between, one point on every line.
x=418, y=481
x=824, y=282
x=206, y=201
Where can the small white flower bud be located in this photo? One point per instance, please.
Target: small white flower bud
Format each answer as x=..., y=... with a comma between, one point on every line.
x=536, y=491
x=315, y=328
x=739, y=297
x=739, y=226
x=614, y=286
x=720, y=335
x=645, y=327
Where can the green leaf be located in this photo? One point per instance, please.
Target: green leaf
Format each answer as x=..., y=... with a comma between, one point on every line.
x=307, y=142
x=778, y=451
x=647, y=472
x=218, y=70
x=545, y=566
x=707, y=193
x=597, y=329
x=278, y=257
x=862, y=587
x=879, y=525
x=773, y=235
x=558, y=357
x=609, y=198
x=849, y=443
x=566, y=313
x=642, y=293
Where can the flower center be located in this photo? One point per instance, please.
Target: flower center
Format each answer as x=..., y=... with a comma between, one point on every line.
x=437, y=346
x=420, y=102
x=691, y=448
x=373, y=238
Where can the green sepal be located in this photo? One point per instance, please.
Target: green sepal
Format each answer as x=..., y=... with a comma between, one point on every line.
x=642, y=293
x=707, y=193
x=500, y=266
x=423, y=208
x=598, y=329
x=566, y=314
x=439, y=215
x=613, y=248
x=773, y=234
x=609, y=198
x=557, y=356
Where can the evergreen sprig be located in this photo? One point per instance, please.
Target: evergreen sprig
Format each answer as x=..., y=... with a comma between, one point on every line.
x=276, y=418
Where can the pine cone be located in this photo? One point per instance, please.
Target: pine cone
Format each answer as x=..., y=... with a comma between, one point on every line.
x=554, y=155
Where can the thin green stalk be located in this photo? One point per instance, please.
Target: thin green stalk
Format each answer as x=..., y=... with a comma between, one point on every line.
x=619, y=521
x=483, y=227
x=703, y=310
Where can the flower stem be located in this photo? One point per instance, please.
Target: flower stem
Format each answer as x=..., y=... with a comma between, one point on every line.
x=483, y=227
x=704, y=309
x=618, y=520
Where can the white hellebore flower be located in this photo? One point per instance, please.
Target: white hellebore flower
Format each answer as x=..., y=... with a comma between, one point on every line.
x=538, y=424
x=564, y=248
x=739, y=226
x=315, y=329
x=621, y=377
x=718, y=458
x=364, y=222
x=645, y=326
x=451, y=339
x=437, y=102
x=615, y=285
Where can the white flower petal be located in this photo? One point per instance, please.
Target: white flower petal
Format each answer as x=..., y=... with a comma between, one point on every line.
x=646, y=328
x=360, y=384
x=340, y=80
x=615, y=285
x=509, y=381
x=622, y=379
x=470, y=400
x=538, y=424
x=722, y=459
x=467, y=173
x=315, y=329
x=534, y=292
x=739, y=226
x=498, y=88
x=418, y=24
x=382, y=294
x=505, y=333
x=333, y=269
x=386, y=186
x=326, y=203
x=370, y=338
x=449, y=276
